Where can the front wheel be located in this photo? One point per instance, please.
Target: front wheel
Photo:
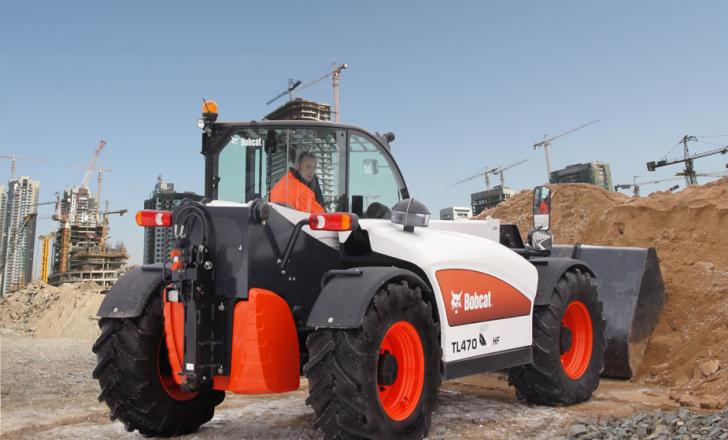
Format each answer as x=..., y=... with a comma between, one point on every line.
x=136, y=379
x=379, y=381
x=568, y=345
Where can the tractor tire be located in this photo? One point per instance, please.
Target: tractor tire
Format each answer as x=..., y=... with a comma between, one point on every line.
x=381, y=380
x=568, y=345
x=135, y=377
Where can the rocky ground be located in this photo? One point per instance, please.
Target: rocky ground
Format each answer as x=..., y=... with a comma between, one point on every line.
x=47, y=393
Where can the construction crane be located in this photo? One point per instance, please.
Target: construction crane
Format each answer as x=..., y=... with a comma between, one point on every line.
x=292, y=84
x=46, y=241
x=98, y=192
x=45, y=203
x=636, y=185
x=487, y=173
x=84, y=184
x=689, y=171
x=105, y=227
x=13, y=159
x=546, y=142
x=709, y=174
x=91, y=166
x=334, y=74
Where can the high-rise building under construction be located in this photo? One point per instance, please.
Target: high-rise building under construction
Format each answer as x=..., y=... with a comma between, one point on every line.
x=158, y=242
x=19, y=213
x=301, y=109
x=80, y=252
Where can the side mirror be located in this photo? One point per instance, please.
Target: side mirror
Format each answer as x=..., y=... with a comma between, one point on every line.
x=542, y=208
x=370, y=167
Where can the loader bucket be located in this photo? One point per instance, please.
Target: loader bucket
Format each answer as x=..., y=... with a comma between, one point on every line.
x=633, y=293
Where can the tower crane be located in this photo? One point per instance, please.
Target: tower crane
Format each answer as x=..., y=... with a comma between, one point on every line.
x=292, y=84
x=105, y=227
x=91, y=166
x=689, y=171
x=98, y=191
x=13, y=159
x=46, y=241
x=488, y=172
x=334, y=74
x=500, y=170
x=636, y=185
x=65, y=219
x=546, y=142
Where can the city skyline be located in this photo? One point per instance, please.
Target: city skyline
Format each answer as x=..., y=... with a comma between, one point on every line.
x=479, y=94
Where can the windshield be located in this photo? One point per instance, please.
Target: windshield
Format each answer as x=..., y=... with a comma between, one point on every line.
x=294, y=167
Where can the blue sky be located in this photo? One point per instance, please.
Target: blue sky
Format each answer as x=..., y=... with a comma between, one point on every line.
x=462, y=84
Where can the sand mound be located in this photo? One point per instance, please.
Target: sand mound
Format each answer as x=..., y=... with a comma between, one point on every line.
x=688, y=350
x=52, y=312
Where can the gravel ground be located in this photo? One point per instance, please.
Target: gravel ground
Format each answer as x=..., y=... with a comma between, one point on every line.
x=46, y=392
x=657, y=425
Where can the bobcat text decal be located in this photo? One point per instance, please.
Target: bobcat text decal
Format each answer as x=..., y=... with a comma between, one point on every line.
x=474, y=296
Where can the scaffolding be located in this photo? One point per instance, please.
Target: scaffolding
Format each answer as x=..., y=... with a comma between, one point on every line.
x=80, y=252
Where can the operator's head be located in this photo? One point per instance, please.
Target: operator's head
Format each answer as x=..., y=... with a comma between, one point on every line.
x=306, y=165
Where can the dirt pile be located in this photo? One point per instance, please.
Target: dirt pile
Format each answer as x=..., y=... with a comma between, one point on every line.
x=688, y=350
x=45, y=311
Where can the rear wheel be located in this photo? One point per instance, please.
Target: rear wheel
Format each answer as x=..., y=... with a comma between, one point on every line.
x=568, y=345
x=136, y=379
x=379, y=381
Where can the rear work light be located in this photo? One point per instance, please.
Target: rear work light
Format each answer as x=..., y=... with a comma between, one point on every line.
x=333, y=221
x=148, y=217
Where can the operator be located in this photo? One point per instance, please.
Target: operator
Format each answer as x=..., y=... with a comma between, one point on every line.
x=300, y=189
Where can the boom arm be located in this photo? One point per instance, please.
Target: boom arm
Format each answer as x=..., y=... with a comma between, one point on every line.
x=548, y=141
x=651, y=166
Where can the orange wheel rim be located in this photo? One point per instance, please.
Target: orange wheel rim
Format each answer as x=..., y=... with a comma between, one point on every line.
x=576, y=359
x=164, y=372
x=400, y=399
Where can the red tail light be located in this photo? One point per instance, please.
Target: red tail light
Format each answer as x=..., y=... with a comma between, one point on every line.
x=176, y=256
x=333, y=221
x=148, y=217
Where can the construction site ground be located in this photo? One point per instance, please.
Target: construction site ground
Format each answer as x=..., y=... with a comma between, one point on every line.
x=48, y=393
x=46, y=333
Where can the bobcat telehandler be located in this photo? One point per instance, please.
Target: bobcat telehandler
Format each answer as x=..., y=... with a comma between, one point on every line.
x=374, y=303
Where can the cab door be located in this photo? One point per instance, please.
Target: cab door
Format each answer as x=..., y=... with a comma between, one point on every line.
x=375, y=183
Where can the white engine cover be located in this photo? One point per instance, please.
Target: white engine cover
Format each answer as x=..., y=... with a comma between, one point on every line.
x=484, y=291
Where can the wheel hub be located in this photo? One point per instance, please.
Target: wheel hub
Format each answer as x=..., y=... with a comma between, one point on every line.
x=565, y=339
x=576, y=340
x=386, y=369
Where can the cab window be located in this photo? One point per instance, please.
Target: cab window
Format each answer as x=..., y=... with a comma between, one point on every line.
x=373, y=185
x=295, y=167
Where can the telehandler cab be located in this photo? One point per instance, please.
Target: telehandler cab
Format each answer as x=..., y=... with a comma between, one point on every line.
x=370, y=300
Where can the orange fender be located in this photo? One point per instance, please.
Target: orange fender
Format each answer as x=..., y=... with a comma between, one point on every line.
x=265, y=353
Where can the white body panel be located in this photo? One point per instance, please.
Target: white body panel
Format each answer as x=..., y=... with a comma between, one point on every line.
x=488, y=228
x=471, y=245
x=433, y=250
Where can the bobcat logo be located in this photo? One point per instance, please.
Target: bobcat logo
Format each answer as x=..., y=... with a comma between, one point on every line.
x=455, y=302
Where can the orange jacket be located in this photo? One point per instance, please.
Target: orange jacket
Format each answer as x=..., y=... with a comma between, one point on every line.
x=291, y=191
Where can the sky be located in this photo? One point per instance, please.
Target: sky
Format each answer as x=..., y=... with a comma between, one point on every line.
x=463, y=85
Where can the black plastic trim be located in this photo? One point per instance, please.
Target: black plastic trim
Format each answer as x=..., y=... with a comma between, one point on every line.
x=129, y=295
x=344, y=299
x=550, y=271
x=487, y=362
